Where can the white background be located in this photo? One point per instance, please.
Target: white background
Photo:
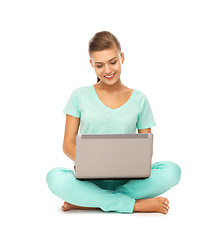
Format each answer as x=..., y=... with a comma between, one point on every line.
x=173, y=53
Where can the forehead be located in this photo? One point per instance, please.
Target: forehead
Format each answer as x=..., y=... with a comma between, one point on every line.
x=105, y=55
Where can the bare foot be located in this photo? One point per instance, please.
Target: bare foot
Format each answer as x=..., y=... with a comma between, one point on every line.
x=68, y=206
x=157, y=204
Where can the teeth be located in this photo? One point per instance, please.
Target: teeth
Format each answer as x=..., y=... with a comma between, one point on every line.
x=109, y=76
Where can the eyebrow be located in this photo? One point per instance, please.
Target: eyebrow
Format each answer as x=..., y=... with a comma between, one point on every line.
x=108, y=60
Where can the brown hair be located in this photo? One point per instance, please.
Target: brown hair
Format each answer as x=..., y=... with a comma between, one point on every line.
x=101, y=41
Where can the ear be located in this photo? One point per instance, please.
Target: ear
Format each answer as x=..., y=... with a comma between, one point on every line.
x=91, y=63
x=122, y=57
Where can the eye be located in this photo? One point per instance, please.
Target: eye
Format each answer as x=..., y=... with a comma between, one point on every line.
x=113, y=62
x=99, y=66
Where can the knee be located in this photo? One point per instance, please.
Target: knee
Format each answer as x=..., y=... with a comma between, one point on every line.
x=55, y=177
x=173, y=172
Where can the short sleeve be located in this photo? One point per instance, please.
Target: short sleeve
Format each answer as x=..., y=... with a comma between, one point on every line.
x=71, y=107
x=146, y=119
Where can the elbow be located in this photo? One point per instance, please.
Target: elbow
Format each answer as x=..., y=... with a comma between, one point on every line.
x=69, y=148
x=64, y=147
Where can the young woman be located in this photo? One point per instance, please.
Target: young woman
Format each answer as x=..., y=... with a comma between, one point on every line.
x=110, y=107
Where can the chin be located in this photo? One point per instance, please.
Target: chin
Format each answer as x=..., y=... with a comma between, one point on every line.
x=110, y=82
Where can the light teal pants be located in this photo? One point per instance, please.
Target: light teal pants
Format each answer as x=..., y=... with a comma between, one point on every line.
x=113, y=195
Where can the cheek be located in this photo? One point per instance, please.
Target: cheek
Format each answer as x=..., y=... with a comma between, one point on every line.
x=98, y=71
x=118, y=67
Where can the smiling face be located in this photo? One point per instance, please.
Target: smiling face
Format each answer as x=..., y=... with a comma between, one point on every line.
x=107, y=65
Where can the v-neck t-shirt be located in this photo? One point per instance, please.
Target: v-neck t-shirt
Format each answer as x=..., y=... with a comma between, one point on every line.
x=97, y=118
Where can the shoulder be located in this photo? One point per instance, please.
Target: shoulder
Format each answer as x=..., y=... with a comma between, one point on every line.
x=140, y=95
x=80, y=91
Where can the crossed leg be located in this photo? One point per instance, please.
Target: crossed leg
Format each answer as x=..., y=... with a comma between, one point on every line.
x=142, y=193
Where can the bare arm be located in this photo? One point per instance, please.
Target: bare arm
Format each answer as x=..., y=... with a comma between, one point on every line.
x=71, y=130
x=146, y=130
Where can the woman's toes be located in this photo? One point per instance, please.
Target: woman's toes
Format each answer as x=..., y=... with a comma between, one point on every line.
x=65, y=206
x=165, y=211
x=165, y=201
x=165, y=207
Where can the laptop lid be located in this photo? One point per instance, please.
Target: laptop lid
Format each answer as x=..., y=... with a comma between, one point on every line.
x=113, y=156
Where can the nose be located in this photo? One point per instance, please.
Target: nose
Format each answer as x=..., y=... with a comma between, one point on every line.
x=107, y=69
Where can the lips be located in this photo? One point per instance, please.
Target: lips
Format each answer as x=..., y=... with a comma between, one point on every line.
x=110, y=76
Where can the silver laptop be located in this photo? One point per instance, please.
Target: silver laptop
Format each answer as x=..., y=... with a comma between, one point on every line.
x=113, y=156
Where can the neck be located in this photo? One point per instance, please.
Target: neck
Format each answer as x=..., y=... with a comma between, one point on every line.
x=111, y=88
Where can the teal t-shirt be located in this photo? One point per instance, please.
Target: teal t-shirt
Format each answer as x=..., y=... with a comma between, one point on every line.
x=97, y=118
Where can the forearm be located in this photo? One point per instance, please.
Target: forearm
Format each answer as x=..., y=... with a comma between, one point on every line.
x=69, y=149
